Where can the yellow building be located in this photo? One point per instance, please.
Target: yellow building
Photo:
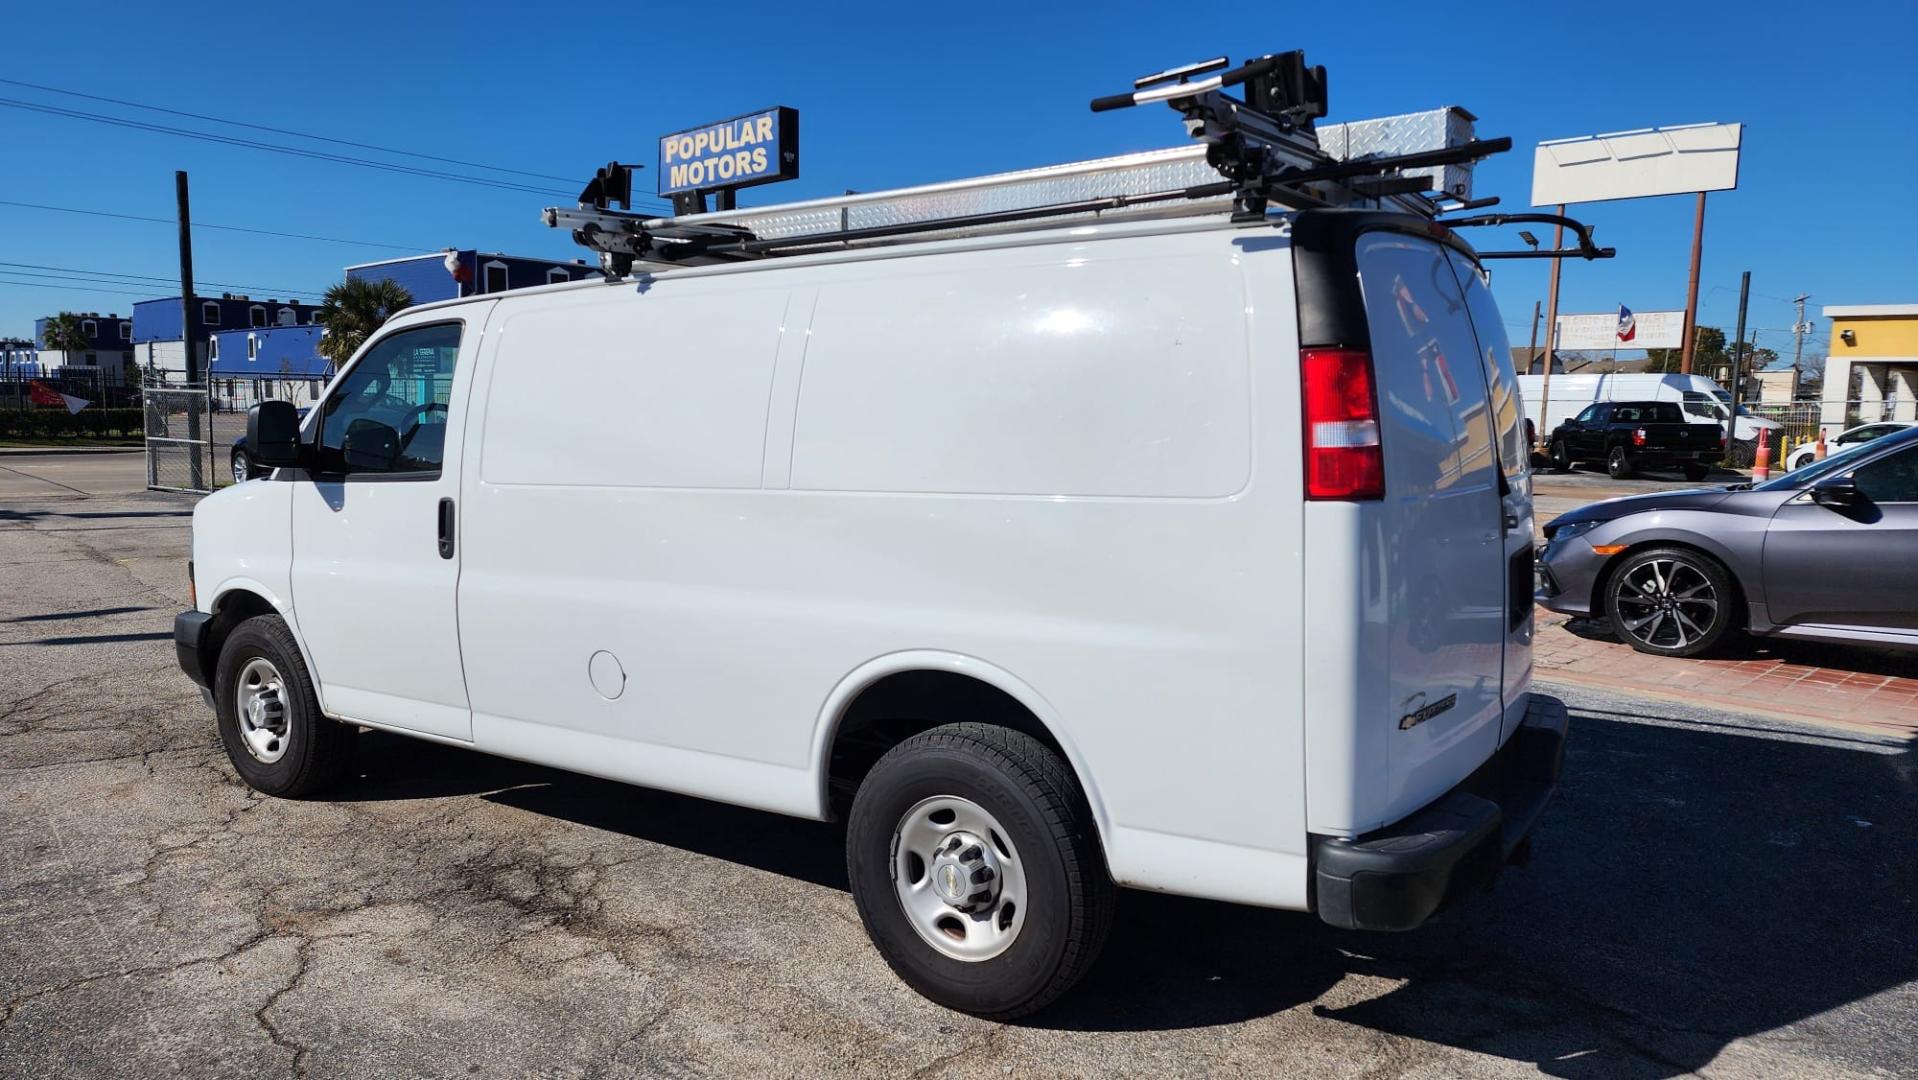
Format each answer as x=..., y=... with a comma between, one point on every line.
x=1874, y=346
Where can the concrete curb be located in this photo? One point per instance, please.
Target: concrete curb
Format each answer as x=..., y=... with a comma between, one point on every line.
x=30, y=451
x=1628, y=688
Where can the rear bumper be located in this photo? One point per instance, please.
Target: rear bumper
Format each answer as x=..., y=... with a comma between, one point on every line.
x=1397, y=877
x=189, y=645
x=1677, y=457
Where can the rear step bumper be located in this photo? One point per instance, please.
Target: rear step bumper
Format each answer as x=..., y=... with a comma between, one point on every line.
x=1397, y=877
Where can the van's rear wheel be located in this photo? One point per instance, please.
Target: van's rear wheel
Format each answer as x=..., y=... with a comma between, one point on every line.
x=270, y=720
x=1618, y=463
x=977, y=871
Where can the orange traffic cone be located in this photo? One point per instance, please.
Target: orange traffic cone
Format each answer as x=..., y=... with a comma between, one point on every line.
x=1819, y=454
x=1761, y=462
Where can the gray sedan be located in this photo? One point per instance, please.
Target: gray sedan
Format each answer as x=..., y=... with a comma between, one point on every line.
x=1828, y=552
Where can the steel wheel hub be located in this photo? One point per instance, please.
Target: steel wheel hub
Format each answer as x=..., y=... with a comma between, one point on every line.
x=260, y=708
x=958, y=879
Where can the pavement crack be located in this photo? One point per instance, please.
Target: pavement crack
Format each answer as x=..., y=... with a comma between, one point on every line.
x=261, y=1015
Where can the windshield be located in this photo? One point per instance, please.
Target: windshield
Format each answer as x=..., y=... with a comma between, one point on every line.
x=1817, y=470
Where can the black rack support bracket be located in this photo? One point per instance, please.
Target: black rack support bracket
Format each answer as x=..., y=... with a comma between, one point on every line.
x=1586, y=249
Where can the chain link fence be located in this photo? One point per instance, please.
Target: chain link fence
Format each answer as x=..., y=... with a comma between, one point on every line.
x=179, y=437
x=1803, y=420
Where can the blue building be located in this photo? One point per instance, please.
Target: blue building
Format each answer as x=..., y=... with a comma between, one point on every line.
x=159, y=320
x=249, y=366
x=156, y=333
x=108, y=352
x=454, y=273
x=18, y=357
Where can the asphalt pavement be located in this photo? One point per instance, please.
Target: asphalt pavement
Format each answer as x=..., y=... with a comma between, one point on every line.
x=1710, y=892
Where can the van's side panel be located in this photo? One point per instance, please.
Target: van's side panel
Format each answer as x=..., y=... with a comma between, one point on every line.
x=615, y=507
x=1040, y=456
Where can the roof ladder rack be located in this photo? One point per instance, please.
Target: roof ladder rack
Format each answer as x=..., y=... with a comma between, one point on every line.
x=1249, y=154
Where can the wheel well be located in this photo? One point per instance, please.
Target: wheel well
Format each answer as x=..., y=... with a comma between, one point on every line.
x=1604, y=580
x=229, y=611
x=901, y=705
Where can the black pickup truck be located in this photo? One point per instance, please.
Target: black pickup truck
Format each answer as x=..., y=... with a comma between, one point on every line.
x=1629, y=435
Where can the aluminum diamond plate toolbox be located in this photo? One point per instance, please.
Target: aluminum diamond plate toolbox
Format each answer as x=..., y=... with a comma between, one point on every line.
x=1128, y=174
x=1409, y=133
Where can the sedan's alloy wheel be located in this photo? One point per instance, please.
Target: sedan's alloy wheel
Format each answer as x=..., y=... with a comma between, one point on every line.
x=1667, y=603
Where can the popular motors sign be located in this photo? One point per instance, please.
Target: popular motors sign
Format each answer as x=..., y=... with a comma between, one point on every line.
x=758, y=148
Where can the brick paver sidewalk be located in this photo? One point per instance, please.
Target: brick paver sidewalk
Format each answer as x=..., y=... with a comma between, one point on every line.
x=1851, y=686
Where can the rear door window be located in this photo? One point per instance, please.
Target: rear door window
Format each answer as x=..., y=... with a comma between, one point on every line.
x=1433, y=405
x=1495, y=355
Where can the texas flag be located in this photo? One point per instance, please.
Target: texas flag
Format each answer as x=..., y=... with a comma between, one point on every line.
x=41, y=394
x=1627, y=324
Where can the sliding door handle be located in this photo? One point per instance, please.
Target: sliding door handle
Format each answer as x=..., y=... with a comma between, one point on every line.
x=446, y=528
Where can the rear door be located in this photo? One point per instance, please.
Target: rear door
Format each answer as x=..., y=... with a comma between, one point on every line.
x=1444, y=563
x=1515, y=487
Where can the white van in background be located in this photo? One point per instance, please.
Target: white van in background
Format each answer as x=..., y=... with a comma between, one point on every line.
x=1703, y=401
x=1188, y=554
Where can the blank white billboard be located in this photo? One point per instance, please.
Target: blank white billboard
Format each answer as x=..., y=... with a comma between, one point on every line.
x=1594, y=333
x=1636, y=164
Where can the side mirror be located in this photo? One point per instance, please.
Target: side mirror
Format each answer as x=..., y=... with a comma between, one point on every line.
x=1837, y=493
x=369, y=445
x=273, y=434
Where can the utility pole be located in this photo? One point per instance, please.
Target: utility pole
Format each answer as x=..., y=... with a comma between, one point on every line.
x=1691, y=288
x=190, y=334
x=1800, y=329
x=1551, y=332
x=1738, y=346
x=1532, y=353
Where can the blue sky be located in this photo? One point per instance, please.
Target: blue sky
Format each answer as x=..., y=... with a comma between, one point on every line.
x=909, y=93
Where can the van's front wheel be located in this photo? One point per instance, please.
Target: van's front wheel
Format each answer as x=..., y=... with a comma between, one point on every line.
x=977, y=871
x=270, y=720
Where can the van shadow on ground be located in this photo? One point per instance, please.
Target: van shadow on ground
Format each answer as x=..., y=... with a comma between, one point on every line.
x=1691, y=886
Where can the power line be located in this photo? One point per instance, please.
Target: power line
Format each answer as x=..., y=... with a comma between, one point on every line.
x=390, y=166
x=255, y=144
x=415, y=248
x=286, y=131
x=74, y=287
x=136, y=279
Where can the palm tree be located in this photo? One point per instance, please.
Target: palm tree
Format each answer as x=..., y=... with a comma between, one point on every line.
x=65, y=333
x=352, y=310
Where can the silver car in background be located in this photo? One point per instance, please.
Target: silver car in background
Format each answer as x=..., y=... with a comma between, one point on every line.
x=1828, y=552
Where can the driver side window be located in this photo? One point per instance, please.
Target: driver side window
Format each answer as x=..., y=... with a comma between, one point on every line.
x=1891, y=479
x=388, y=415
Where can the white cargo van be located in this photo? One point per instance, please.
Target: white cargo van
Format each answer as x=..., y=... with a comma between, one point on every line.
x=1703, y=401
x=1188, y=553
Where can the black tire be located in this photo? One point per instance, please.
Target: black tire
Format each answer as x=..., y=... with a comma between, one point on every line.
x=1031, y=792
x=1626, y=605
x=1618, y=464
x=1696, y=473
x=317, y=750
x=241, y=467
x=1561, y=457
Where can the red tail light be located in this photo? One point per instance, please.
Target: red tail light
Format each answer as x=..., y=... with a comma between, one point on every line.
x=1343, y=459
x=1638, y=437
